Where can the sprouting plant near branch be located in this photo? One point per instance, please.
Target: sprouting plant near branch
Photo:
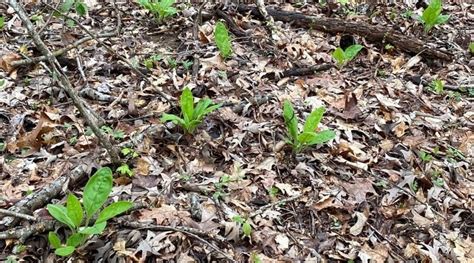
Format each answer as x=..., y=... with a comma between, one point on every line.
x=342, y=57
x=161, y=9
x=309, y=136
x=432, y=15
x=192, y=114
x=223, y=41
x=96, y=193
x=244, y=223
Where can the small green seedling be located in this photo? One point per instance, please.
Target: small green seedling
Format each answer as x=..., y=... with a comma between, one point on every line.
x=96, y=193
x=471, y=47
x=161, y=9
x=432, y=15
x=150, y=62
x=79, y=6
x=187, y=64
x=124, y=169
x=192, y=115
x=220, y=191
x=309, y=136
x=246, y=227
x=437, y=86
x=342, y=57
x=424, y=156
x=117, y=134
x=223, y=41
x=129, y=152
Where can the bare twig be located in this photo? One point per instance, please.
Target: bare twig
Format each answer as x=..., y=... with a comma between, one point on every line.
x=22, y=233
x=195, y=233
x=39, y=199
x=279, y=202
x=17, y=214
x=112, y=51
x=64, y=81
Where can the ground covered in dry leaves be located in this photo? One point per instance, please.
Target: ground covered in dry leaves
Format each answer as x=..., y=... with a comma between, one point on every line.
x=394, y=185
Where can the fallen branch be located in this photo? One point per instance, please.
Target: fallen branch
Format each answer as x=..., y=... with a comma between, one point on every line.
x=378, y=34
x=44, y=196
x=58, y=52
x=298, y=71
x=64, y=81
x=22, y=233
x=17, y=214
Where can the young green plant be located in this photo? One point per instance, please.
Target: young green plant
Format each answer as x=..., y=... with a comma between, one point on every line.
x=223, y=41
x=432, y=15
x=244, y=223
x=193, y=115
x=342, y=57
x=161, y=9
x=309, y=136
x=96, y=193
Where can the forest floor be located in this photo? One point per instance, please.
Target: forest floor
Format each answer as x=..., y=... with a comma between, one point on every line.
x=395, y=184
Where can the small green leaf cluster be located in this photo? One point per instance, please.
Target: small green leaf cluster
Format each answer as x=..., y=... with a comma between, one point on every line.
x=161, y=9
x=424, y=156
x=437, y=86
x=471, y=47
x=342, y=57
x=96, y=193
x=222, y=39
x=79, y=6
x=117, y=134
x=309, y=136
x=193, y=115
x=246, y=227
x=432, y=15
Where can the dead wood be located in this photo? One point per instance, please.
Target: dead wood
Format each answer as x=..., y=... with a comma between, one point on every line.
x=293, y=72
x=44, y=196
x=373, y=33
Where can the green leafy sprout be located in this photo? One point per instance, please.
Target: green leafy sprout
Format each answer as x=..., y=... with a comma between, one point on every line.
x=432, y=15
x=77, y=216
x=471, y=46
x=244, y=223
x=223, y=41
x=437, y=86
x=124, y=169
x=342, y=57
x=309, y=136
x=424, y=156
x=161, y=9
x=193, y=115
x=79, y=6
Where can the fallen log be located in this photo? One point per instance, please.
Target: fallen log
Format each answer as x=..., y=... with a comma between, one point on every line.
x=373, y=33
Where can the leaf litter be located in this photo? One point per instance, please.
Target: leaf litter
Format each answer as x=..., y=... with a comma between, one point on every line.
x=367, y=195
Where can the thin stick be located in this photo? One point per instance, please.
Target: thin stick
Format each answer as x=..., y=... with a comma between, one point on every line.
x=92, y=35
x=17, y=214
x=64, y=81
x=279, y=202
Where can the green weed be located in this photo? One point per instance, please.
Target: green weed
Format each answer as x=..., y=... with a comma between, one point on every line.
x=432, y=15
x=193, y=115
x=309, y=136
x=342, y=57
x=161, y=9
x=223, y=41
x=96, y=193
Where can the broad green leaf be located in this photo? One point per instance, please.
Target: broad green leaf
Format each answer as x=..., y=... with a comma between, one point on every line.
x=238, y=219
x=212, y=108
x=171, y=117
x=187, y=104
x=431, y=14
x=54, y=240
x=64, y=251
x=322, y=137
x=113, y=210
x=351, y=52
x=339, y=56
x=66, y=6
x=313, y=120
x=75, y=239
x=201, y=107
x=223, y=41
x=97, y=190
x=246, y=229
x=74, y=210
x=291, y=121
x=2, y=22
x=81, y=8
x=59, y=212
x=93, y=230
x=442, y=19
x=471, y=47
